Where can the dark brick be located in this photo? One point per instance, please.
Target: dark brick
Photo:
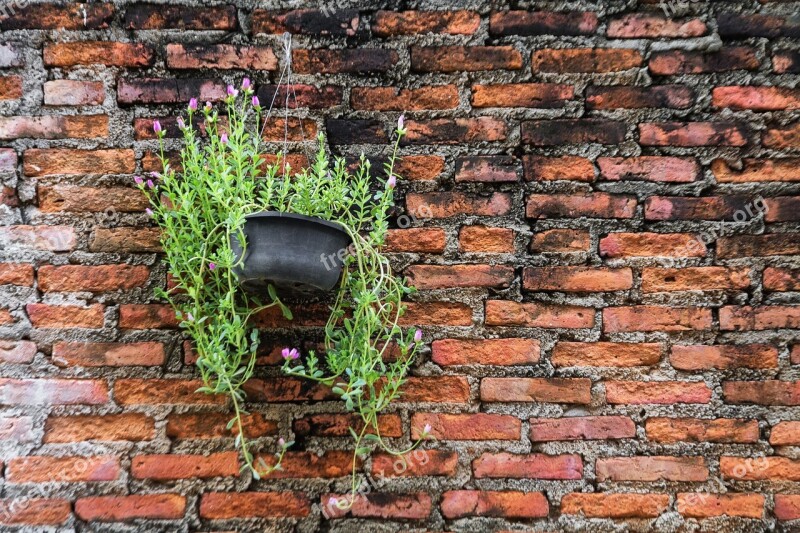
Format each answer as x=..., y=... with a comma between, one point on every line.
x=786, y=61
x=542, y=23
x=168, y=91
x=301, y=95
x=67, y=16
x=179, y=17
x=351, y=61
x=492, y=168
x=355, y=131
x=455, y=131
x=689, y=62
x=739, y=25
x=658, y=96
x=572, y=131
x=466, y=58
x=306, y=21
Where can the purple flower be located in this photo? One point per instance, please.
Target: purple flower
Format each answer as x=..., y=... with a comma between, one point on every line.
x=246, y=84
x=149, y=212
x=150, y=184
x=138, y=180
x=224, y=138
x=181, y=123
x=418, y=335
x=392, y=182
x=190, y=317
x=212, y=266
x=400, y=122
x=292, y=353
x=208, y=106
x=427, y=429
x=231, y=91
x=256, y=103
x=157, y=126
x=193, y=104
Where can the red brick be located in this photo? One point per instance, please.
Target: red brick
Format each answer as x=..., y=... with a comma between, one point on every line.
x=638, y=25
x=795, y=355
x=694, y=279
x=17, y=352
x=147, y=316
x=337, y=425
x=785, y=434
x=65, y=316
x=582, y=428
x=213, y=425
x=220, y=56
x=17, y=429
x=34, y=511
x=54, y=127
x=536, y=315
x=501, y=352
x=395, y=99
x=415, y=506
x=757, y=245
x=68, y=16
x=227, y=505
x=179, y=17
x=605, y=354
x=781, y=209
x=464, y=58
x=591, y=205
x=166, y=467
x=80, y=428
x=651, y=245
x=693, y=134
x=690, y=62
x=126, y=240
x=782, y=136
x=786, y=61
x=16, y=274
x=649, y=168
x=339, y=22
x=163, y=391
x=539, y=95
x=576, y=279
x=73, y=92
x=455, y=131
x=655, y=318
x=449, y=204
x=168, y=91
x=543, y=390
x=484, y=239
x=467, y=426
x=53, y=391
x=44, y=469
x=787, y=506
x=704, y=505
x=781, y=279
x=421, y=240
x=346, y=61
x=561, y=240
x=755, y=98
x=503, y=23
x=529, y=466
x=103, y=278
x=392, y=23
x=109, y=53
x=47, y=161
x=723, y=357
x=745, y=318
x=624, y=97
x=576, y=60
x=301, y=95
x=74, y=198
x=722, y=430
x=656, y=468
x=124, y=508
x=504, y=504
x=555, y=132
x=447, y=389
x=450, y=276
x=10, y=88
x=331, y=464
x=656, y=392
x=759, y=468
x=614, y=505
x=770, y=392
x=489, y=169
x=414, y=464
x=573, y=168
x=108, y=354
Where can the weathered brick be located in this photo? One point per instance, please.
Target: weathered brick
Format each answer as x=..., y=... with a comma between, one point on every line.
x=591, y=205
x=394, y=99
x=109, y=53
x=756, y=98
x=529, y=466
x=771, y=392
x=80, y=428
x=756, y=25
x=786, y=61
x=137, y=506
x=415, y=506
x=467, y=426
x=347, y=61
x=17, y=429
x=638, y=25
x=338, y=22
x=168, y=91
x=655, y=318
x=658, y=96
x=760, y=468
x=614, y=505
x=487, y=168
x=782, y=136
x=53, y=391
x=694, y=279
x=576, y=279
x=744, y=318
x=337, y=425
x=221, y=56
x=451, y=276
x=554, y=132
x=578, y=60
x=504, y=504
x=415, y=464
x=605, y=354
x=213, y=426
x=781, y=279
x=541, y=95
x=573, y=168
x=65, y=316
x=693, y=134
x=10, y=55
x=73, y=92
x=421, y=240
x=54, y=127
x=537, y=315
x=704, y=505
x=49, y=161
x=273, y=504
x=691, y=62
x=436, y=389
x=655, y=468
x=71, y=198
x=102, y=278
x=464, y=58
x=780, y=209
x=722, y=357
x=449, y=204
x=301, y=95
x=179, y=17
x=582, y=428
x=10, y=88
x=649, y=168
x=43, y=469
x=722, y=430
x=455, y=131
x=67, y=16
x=126, y=240
x=163, y=467
x=787, y=506
x=544, y=390
x=503, y=23
x=16, y=274
x=500, y=352
x=163, y=391
x=561, y=240
x=785, y=433
x=757, y=245
x=656, y=392
x=146, y=316
x=35, y=511
x=108, y=354
x=328, y=465
x=17, y=352
x=392, y=23
x=340, y=131
x=484, y=239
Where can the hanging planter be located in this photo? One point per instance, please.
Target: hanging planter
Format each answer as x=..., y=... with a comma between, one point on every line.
x=297, y=254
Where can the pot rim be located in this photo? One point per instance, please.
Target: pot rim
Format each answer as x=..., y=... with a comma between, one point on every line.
x=296, y=216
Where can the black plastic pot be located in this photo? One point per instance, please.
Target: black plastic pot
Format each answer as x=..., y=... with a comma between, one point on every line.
x=300, y=255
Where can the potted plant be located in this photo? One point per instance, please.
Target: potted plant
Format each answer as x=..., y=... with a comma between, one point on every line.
x=228, y=217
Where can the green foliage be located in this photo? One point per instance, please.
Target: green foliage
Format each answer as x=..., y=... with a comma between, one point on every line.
x=202, y=206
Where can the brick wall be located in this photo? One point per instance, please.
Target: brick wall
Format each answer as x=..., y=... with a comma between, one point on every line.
x=601, y=211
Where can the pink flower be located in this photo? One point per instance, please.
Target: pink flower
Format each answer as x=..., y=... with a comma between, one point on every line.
x=193, y=104
x=427, y=429
x=181, y=123
x=190, y=317
x=149, y=212
x=256, y=103
x=138, y=180
x=400, y=122
x=246, y=84
x=231, y=91
x=212, y=266
x=392, y=183
x=418, y=335
x=224, y=138
x=290, y=353
x=157, y=126
x=150, y=184
x=208, y=106
x=281, y=442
